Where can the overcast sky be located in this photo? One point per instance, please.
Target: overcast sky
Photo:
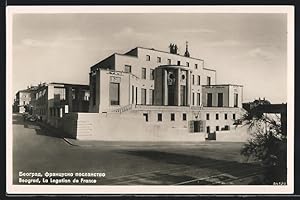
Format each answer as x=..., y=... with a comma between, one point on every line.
x=246, y=49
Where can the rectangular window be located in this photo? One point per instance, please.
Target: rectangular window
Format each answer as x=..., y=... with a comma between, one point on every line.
x=127, y=68
x=187, y=64
x=143, y=95
x=220, y=99
x=233, y=116
x=199, y=80
x=198, y=99
x=60, y=93
x=172, y=116
x=225, y=116
x=159, y=117
x=145, y=116
x=114, y=93
x=159, y=59
x=151, y=96
x=143, y=73
x=209, y=99
x=236, y=97
x=132, y=94
x=196, y=66
x=208, y=80
x=94, y=89
x=207, y=116
x=147, y=58
x=169, y=62
x=207, y=129
x=217, y=128
x=73, y=94
x=217, y=116
x=184, y=116
x=193, y=79
x=193, y=98
x=178, y=62
x=151, y=74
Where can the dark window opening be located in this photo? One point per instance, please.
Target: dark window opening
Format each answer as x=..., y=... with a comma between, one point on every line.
x=217, y=116
x=172, y=117
x=178, y=62
x=127, y=68
x=233, y=116
x=220, y=99
x=145, y=116
x=159, y=117
x=184, y=116
x=217, y=128
x=225, y=116
x=209, y=99
x=236, y=97
x=207, y=116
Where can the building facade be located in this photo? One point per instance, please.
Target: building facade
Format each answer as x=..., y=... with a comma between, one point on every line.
x=160, y=95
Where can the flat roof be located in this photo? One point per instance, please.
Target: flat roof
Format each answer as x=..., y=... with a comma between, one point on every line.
x=223, y=85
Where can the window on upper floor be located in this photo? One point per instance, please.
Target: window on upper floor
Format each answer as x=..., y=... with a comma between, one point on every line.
x=207, y=116
x=196, y=66
x=233, y=116
x=217, y=116
x=199, y=80
x=193, y=79
x=147, y=57
x=187, y=64
x=178, y=62
x=159, y=59
x=127, y=68
x=151, y=74
x=169, y=62
x=143, y=73
x=208, y=80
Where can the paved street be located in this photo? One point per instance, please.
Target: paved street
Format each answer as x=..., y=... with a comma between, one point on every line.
x=129, y=163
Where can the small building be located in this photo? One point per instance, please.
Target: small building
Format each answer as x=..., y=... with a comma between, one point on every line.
x=22, y=99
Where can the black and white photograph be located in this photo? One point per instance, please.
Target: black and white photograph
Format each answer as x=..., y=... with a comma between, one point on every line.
x=150, y=100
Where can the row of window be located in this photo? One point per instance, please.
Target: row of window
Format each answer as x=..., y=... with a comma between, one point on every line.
x=226, y=127
x=184, y=116
x=220, y=100
x=160, y=117
x=198, y=99
x=217, y=116
x=208, y=80
x=169, y=61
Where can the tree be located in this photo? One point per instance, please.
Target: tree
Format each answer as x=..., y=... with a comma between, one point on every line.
x=267, y=144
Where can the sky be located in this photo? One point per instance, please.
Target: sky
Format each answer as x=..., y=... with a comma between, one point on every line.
x=245, y=49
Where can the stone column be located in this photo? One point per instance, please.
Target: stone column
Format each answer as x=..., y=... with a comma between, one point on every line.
x=165, y=92
x=188, y=87
x=178, y=87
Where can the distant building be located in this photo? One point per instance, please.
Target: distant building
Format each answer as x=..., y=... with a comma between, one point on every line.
x=52, y=101
x=152, y=94
x=23, y=99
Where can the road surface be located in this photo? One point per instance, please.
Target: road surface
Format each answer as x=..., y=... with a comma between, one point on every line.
x=38, y=150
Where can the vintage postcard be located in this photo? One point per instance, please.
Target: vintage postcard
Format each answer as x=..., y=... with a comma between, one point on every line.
x=150, y=100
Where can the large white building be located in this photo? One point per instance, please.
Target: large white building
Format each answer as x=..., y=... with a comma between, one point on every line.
x=148, y=94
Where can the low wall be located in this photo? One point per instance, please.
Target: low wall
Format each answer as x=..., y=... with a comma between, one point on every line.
x=122, y=127
x=239, y=134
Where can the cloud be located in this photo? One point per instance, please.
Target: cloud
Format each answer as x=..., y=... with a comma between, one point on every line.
x=224, y=43
x=37, y=43
x=131, y=33
x=203, y=30
x=260, y=53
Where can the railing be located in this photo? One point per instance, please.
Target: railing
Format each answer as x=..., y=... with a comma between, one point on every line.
x=123, y=108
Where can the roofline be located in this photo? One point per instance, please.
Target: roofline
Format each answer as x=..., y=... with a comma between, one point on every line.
x=223, y=85
x=209, y=69
x=68, y=84
x=167, y=53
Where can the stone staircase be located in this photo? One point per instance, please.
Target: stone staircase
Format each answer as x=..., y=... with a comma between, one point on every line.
x=123, y=108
